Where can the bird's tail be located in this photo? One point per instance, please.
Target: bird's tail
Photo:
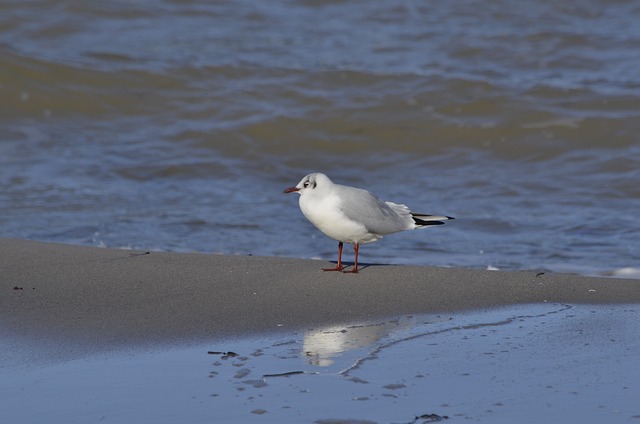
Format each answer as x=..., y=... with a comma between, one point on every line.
x=422, y=220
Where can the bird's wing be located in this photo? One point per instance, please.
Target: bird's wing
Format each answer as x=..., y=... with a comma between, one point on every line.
x=377, y=216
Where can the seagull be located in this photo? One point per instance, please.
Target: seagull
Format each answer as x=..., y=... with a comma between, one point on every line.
x=353, y=215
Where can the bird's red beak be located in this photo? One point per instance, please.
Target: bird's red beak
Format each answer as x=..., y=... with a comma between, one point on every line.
x=291, y=189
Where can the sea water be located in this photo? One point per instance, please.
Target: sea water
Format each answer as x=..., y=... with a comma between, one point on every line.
x=175, y=126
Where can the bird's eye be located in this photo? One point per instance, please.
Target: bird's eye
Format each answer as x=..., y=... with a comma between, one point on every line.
x=306, y=184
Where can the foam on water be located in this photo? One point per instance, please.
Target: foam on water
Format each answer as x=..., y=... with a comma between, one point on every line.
x=627, y=273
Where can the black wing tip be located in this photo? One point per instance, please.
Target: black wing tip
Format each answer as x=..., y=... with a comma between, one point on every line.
x=423, y=223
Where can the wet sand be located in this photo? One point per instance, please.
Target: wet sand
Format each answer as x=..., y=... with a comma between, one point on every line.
x=67, y=297
x=92, y=334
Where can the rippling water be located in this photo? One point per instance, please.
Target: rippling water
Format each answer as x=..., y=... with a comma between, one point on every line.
x=175, y=125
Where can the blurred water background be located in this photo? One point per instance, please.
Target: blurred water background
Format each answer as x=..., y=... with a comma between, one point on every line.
x=175, y=125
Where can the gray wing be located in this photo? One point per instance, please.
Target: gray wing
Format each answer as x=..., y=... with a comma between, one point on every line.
x=377, y=216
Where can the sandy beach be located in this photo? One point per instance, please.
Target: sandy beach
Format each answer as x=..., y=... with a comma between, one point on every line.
x=99, y=297
x=107, y=335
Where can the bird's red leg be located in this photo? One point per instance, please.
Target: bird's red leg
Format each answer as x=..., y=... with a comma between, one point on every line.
x=339, y=266
x=355, y=265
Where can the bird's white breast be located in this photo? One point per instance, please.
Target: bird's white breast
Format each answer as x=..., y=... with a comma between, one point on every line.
x=325, y=213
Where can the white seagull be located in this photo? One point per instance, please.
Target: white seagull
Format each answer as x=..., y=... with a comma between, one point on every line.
x=353, y=215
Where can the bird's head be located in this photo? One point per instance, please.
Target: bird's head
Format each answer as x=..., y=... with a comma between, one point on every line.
x=310, y=182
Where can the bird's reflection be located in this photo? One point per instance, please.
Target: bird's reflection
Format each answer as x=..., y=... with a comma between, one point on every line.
x=322, y=345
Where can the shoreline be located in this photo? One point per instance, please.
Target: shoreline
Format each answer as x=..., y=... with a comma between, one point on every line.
x=102, y=297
